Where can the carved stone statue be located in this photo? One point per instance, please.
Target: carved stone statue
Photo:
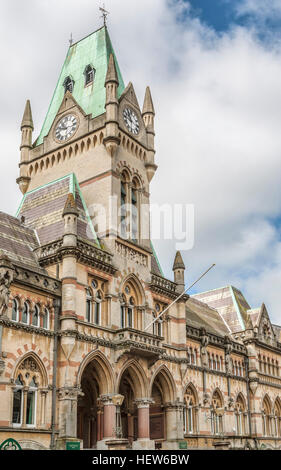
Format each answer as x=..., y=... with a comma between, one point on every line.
x=6, y=278
x=203, y=350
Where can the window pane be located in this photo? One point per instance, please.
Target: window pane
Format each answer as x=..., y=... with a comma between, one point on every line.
x=17, y=407
x=25, y=313
x=30, y=404
x=35, y=316
x=15, y=311
x=46, y=319
x=88, y=311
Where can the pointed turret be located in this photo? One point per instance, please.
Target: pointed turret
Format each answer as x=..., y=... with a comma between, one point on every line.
x=148, y=114
x=70, y=216
x=26, y=145
x=179, y=268
x=111, y=141
x=27, y=117
x=111, y=75
x=148, y=107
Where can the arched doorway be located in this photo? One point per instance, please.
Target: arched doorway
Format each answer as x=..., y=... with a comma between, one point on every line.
x=165, y=414
x=96, y=384
x=133, y=386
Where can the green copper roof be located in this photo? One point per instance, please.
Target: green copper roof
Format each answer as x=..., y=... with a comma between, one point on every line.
x=93, y=50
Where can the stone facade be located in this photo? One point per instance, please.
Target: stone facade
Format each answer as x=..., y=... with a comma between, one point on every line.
x=77, y=358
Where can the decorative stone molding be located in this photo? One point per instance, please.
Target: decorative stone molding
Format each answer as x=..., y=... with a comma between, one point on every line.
x=131, y=254
x=143, y=402
x=163, y=286
x=38, y=280
x=85, y=253
x=70, y=393
x=29, y=364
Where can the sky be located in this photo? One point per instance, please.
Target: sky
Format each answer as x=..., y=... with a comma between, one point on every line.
x=214, y=68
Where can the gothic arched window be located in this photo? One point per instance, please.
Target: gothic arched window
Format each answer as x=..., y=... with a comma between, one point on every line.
x=35, y=316
x=25, y=390
x=46, y=319
x=190, y=411
x=25, y=313
x=135, y=210
x=89, y=303
x=18, y=401
x=266, y=410
x=98, y=304
x=89, y=74
x=240, y=412
x=15, y=310
x=68, y=84
x=217, y=413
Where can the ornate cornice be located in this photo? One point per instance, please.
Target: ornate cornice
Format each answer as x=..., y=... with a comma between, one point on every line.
x=85, y=253
x=30, y=278
x=5, y=321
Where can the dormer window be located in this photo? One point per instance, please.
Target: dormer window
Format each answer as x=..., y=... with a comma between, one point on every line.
x=68, y=84
x=89, y=74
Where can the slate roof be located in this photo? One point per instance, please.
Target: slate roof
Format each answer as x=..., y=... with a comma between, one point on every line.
x=43, y=208
x=18, y=242
x=199, y=314
x=230, y=303
x=93, y=50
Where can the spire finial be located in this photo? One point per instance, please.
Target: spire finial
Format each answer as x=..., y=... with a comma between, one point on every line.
x=104, y=14
x=71, y=40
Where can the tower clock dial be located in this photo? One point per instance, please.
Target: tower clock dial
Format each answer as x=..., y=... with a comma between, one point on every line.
x=66, y=127
x=131, y=121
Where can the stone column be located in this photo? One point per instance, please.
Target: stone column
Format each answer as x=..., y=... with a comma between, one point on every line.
x=174, y=424
x=43, y=407
x=143, y=441
x=109, y=417
x=68, y=397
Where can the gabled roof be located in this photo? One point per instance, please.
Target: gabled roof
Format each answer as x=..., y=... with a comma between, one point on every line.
x=43, y=209
x=230, y=303
x=18, y=242
x=94, y=50
x=199, y=314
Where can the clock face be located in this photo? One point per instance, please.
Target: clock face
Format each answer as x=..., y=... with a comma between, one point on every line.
x=66, y=127
x=131, y=121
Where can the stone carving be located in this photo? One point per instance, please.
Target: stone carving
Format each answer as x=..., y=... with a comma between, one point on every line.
x=29, y=364
x=131, y=254
x=228, y=360
x=203, y=350
x=6, y=278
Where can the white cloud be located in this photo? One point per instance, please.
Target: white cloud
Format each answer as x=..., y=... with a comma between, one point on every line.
x=261, y=9
x=217, y=100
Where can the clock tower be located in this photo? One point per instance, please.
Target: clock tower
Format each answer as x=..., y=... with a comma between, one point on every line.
x=96, y=131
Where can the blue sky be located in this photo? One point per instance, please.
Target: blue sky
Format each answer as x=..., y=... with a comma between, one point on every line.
x=221, y=15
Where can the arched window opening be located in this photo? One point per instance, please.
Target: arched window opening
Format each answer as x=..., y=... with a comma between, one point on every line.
x=89, y=74
x=15, y=310
x=98, y=304
x=18, y=402
x=217, y=414
x=277, y=418
x=68, y=85
x=131, y=305
x=89, y=302
x=190, y=412
x=266, y=412
x=25, y=313
x=35, y=316
x=31, y=403
x=240, y=412
x=135, y=211
x=46, y=319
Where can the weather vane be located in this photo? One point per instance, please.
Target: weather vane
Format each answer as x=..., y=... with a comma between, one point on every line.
x=104, y=14
x=71, y=40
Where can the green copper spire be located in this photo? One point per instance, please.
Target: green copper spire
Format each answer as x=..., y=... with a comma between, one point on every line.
x=94, y=50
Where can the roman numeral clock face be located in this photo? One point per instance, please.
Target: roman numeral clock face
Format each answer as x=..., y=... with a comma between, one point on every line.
x=66, y=128
x=131, y=121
